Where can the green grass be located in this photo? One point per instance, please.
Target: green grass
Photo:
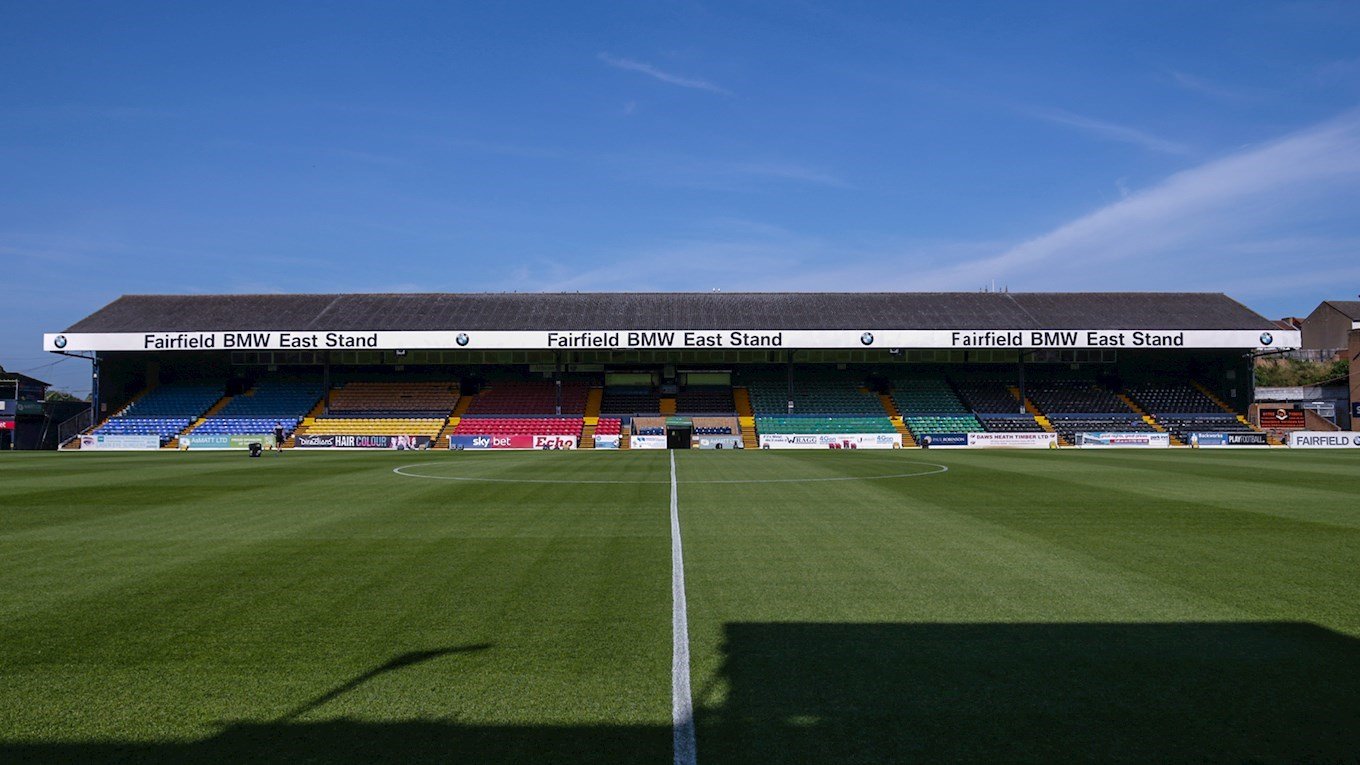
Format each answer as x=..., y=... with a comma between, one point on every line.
x=1023, y=606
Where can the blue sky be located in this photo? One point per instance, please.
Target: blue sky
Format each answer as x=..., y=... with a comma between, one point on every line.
x=277, y=147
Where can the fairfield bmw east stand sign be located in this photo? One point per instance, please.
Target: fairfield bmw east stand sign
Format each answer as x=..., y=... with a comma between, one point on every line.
x=669, y=339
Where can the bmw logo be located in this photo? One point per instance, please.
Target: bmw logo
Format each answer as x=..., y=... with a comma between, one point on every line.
x=1267, y=338
x=59, y=341
x=867, y=338
x=462, y=338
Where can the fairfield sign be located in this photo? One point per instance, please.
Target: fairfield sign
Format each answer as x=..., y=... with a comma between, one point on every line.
x=642, y=339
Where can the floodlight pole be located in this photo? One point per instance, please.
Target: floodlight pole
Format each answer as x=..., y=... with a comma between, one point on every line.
x=1021, y=370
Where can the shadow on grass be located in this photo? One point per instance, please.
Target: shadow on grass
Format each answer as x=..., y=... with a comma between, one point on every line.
x=845, y=693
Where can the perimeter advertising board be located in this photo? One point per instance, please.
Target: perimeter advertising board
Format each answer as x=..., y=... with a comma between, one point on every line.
x=1123, y=440
x=718, y=442
x=477, y=442
x=647, y=442
x=832, y=441
x=607, y=442
x=1213, y=440
x=943, y=440
x=1312, y=439
x=1013, y=440
x=400, y=443
x=120, y=443
x=223, y=441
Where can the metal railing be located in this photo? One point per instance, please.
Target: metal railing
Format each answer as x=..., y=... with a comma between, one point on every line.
x=74, y=426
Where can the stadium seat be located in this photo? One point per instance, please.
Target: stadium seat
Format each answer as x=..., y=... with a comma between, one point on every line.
x=529, y=397
x=164, y=411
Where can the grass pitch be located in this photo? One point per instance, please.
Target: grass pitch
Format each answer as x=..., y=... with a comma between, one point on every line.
x=843, y=607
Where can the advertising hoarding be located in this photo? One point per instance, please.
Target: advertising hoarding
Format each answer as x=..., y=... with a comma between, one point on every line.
x=120, y=443
x=1335, y=439
x=400, y=443
x=465, y=442
x=831, y=441
x=223, y=441
x=1123, y=440
x=1013, y=440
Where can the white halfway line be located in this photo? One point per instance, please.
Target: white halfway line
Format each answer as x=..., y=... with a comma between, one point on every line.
x=682, y=706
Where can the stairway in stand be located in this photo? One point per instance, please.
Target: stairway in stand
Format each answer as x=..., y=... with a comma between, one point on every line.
x=441, y=441
x=895, y=417
x=1221, y=404
x=173, y=443
x=1038, y=415
x=1149, y=419
x=746, y=418
x=592, y=418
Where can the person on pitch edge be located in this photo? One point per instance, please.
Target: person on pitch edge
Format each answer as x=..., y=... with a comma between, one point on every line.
x=278, y=438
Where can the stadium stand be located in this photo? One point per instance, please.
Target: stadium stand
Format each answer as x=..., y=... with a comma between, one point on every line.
x=1010, y=423
x=1068, y=424
x=1169, y=398
x=608, y=426
x=921, y=425
x=988, y=396
x=516, y=397
x=705, y=400
x=814, y=424
x=630, y=400
x=258, y=410
x=1075, y=397
x=481, y=425
x=375, y=400
x=928, y=395
x=164, y=411
x=715, y=426
x=418, y=408
x=821, y=405
x=1182, y=425
x=383, y=426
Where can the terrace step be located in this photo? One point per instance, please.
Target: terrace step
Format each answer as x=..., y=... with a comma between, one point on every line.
x=667, y=406
x=212, y=410
x=746, y=418
x=895, y=417
x=593, y=401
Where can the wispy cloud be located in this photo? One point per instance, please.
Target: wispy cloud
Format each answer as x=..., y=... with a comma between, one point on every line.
x=1231, y=224
x=1111, y=131
x=1195, y=215
x=1206, y=87
x=694, y=83
x=729, y=175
